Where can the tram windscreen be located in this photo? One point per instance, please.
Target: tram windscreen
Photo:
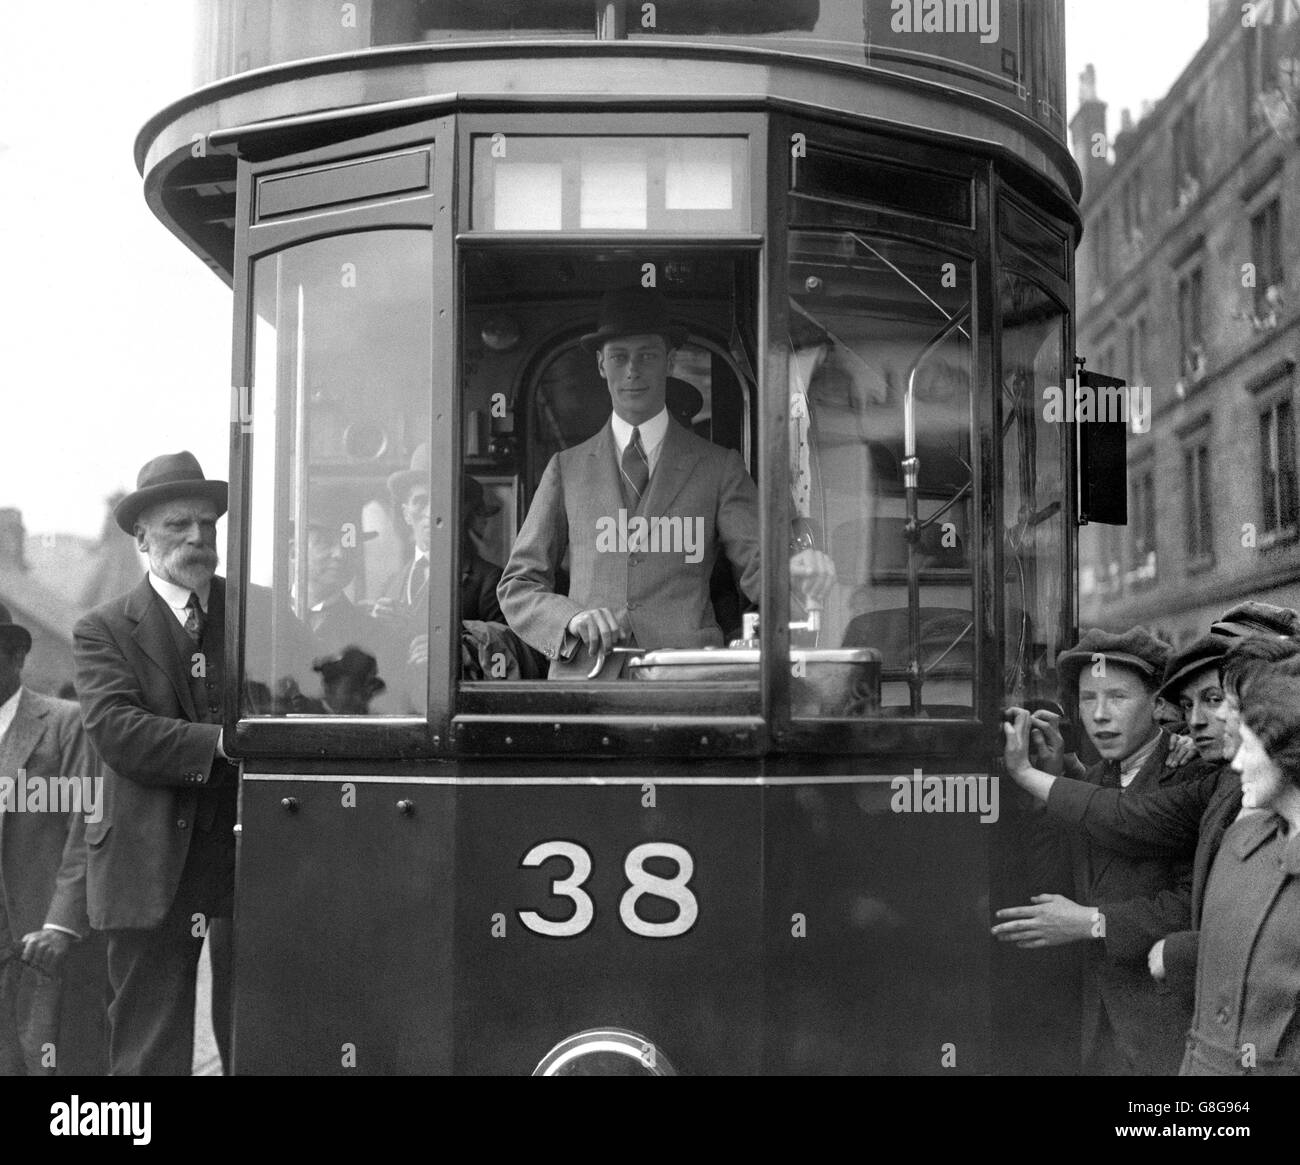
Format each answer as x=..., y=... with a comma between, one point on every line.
x=336, y=619
x=880, y=375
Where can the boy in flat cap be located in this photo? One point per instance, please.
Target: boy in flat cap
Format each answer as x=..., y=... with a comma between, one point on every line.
x=1122, y=904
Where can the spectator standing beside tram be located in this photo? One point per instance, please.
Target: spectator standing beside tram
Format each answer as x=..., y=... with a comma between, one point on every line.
x=1122, y=904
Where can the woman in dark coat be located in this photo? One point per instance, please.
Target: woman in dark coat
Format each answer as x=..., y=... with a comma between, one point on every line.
x=1247, y=1015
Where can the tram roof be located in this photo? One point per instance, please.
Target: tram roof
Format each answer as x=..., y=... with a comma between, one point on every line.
x=295, y=106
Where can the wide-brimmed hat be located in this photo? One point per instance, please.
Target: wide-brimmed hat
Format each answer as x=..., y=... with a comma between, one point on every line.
x=1206, y=652
x=402, y=482
x=635, y=311
x=1136, y=647
x=13, y=634
x=1254, y=618
x=165, y=478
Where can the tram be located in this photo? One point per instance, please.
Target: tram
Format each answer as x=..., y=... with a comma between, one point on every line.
x=775, y=856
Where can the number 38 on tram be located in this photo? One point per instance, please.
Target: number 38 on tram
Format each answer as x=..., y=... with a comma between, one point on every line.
x=777, y=851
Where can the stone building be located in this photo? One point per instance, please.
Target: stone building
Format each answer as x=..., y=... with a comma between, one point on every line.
x=1189, y=283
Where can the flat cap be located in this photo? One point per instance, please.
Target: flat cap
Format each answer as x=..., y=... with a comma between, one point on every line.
x=1136, y=647
x=1197, y=656
x=1253, y=618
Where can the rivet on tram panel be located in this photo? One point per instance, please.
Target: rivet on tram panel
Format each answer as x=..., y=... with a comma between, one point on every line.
x=704, y=740
x=289, y=804
x=509, y=740
x=604, y=741
x=406, y=807
x=437, y=740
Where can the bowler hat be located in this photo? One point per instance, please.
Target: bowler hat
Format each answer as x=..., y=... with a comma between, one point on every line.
x=1206, y=652
x=401, y=483
x=636, y=311
x=164, y=479
x=352, y=664
x=1136, y=648
x=1253, y=618
x=13, y=634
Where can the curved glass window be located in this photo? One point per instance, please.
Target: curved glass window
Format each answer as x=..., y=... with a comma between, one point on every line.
x=881, y=479
x=336, y=619
x=1033, y=489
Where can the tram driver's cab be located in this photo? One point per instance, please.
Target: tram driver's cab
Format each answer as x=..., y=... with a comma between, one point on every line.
x=405, y=420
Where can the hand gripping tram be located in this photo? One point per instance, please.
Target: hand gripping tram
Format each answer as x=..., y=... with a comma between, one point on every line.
x=776, y=855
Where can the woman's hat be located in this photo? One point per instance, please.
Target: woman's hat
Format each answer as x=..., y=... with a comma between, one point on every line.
x=165, y=478
x=636, y=311
x=13, y=634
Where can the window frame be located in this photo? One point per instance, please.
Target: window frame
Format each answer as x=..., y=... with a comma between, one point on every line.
x=336, y=736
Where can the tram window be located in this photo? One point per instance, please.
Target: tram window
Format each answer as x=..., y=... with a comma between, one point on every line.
x=336, y=616
x=880, y=350
x=533, y=391
x=1033, y=492
x=678, y=185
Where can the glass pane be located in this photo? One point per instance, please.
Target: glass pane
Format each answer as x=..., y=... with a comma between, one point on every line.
x=1033, y=490
x=677, y=566
x=676, y=185
x=880, y=382
x=337, y=621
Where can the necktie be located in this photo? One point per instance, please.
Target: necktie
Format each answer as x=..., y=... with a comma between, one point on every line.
x=419, y=580
x=1110, y=774
x=636, y=471
x=194, y=617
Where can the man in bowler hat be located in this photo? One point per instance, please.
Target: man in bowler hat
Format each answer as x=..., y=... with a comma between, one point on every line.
x=161, y=862
x=648, y=465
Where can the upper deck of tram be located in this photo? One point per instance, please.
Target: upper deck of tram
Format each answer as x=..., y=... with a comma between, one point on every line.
x=986, y=75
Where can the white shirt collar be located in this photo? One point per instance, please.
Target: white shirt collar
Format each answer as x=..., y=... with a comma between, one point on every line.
x=176, y=597
x=1132, y=764
x=652, y=431
x=8, y=710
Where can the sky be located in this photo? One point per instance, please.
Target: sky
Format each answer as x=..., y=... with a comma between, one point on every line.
x=115, y=339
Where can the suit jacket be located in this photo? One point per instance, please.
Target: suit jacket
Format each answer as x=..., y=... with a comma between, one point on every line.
x=665, y=596
x=140, y=715
x=1141, y=900
x=43, y=855
x=1191, y=815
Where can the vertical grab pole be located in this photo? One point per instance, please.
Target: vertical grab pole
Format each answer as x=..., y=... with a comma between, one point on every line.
x=912, y=527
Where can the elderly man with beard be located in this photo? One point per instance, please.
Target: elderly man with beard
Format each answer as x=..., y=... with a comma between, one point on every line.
x=161, y=862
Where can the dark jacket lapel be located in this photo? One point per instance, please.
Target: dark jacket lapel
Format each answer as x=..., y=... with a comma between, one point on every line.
x=146, y=609
x=1148, y=777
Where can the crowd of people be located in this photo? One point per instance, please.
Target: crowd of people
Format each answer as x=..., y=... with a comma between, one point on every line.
x=1184, y=850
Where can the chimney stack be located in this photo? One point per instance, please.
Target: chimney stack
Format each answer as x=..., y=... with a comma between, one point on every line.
x=13, y=539
x=1087, y=127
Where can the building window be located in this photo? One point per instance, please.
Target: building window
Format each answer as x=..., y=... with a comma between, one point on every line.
x=1137, y=351
x=1266, y=253
x=1196, y=494
x=1191, y=347
x=1277, y=462
x=1133, y=206
x=1271, y=49
x=1101, y=247
x=1142, y=528
x=1187, y=164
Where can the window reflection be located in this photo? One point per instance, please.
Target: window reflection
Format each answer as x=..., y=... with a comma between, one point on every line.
x=1033, y=495
x=337, y=616
x=880, y=471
